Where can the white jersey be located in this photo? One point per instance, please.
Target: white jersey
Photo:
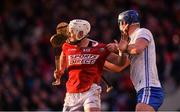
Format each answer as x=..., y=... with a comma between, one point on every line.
x=143, y=68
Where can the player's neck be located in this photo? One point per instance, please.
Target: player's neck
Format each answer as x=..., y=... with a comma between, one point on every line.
x=84, y=43
x=132, y=29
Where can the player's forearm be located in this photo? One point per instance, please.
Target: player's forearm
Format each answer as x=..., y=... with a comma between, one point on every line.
x=57, y=52
x=138, y=47
x=115, y=68
x=62, y=62
x=57, y=60
x=123, y=59
x=62, y=68
x=134, y=49
x=118, y=60
x=59, y=68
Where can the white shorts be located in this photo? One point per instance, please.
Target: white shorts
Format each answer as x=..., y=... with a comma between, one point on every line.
x=81, y=101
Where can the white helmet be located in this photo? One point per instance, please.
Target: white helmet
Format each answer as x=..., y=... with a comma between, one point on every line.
x=78, y=25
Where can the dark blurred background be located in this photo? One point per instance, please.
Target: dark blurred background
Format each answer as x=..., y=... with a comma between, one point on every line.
x=27, y=59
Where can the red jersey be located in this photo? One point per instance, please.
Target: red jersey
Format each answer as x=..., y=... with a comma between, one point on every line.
x=84, y=65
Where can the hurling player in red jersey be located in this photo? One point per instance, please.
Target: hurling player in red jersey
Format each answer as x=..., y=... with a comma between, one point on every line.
x=84, y=60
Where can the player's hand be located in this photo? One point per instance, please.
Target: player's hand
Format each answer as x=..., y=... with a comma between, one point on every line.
x=57, y=76
x=124, y=33
x=123, y=45
x=115, y=47
x=112, y=47
x=124, y=39
x=56, y=82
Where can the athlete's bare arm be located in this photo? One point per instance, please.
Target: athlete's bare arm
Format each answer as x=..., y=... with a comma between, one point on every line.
x=62, y=62
x=61, y=65
x=116, y=63
x=138, y=46
x=115, y=68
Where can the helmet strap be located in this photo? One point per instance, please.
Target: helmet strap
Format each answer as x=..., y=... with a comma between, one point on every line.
x=75, y=42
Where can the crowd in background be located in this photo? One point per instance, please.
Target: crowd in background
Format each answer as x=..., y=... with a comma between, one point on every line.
x=27, y=59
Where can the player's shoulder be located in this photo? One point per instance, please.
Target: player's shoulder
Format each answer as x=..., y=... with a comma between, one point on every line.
x=143, y=30
x=66, y=45
x=96, y=43
x=144, y=33
x=101, y=44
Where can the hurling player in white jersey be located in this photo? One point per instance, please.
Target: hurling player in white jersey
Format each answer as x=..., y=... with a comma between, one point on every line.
x=143, y=71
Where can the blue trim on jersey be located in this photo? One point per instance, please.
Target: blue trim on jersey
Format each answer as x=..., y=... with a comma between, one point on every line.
x=147, y=71
x=146, y=92
x=147, y=67
x=155, y=99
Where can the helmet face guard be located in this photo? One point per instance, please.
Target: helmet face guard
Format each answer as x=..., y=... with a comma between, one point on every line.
x=79, y=25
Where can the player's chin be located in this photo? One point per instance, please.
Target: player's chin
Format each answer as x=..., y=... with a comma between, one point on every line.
x=71, y=39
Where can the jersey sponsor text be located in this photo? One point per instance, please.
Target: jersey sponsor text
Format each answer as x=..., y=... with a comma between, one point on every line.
x=82, y=59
